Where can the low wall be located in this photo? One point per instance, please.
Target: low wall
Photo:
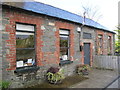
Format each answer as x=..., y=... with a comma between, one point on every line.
x=37, y=76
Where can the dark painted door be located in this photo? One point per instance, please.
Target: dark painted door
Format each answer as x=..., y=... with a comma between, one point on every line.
x=87, y=53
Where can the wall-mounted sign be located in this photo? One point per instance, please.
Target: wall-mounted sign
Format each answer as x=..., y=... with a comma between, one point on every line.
x=51, y=23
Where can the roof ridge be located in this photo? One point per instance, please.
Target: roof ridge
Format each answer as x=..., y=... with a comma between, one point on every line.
x=49, y=10
x=68, y=12
x=58, y=8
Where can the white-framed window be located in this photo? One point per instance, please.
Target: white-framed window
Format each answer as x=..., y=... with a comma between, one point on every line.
x=25, y=45
x=64, y=44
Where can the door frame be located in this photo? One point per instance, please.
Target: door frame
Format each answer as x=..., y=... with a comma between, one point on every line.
x=91, y=53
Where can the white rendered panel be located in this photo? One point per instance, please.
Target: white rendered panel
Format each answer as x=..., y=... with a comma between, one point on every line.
x=64, y=32
x=24, y=27
x=24, y=33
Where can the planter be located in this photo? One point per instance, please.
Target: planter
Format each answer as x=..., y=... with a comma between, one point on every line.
x=54, y=75
x=82, y=69
x=85, y=72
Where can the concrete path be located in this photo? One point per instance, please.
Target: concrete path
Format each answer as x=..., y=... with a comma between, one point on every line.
x=115, y=83
x=97, y=79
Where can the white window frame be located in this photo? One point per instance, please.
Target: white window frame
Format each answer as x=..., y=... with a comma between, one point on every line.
x=65, y=33
x=25, y=29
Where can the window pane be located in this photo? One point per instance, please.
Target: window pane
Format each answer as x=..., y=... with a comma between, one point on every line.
x=64, y=44
x=109, y=44
x=64, y=53
x=25, y=55
x=25, y=45
x=24, y=40
x=64, y=41
x=100, y=42
x=99, y=36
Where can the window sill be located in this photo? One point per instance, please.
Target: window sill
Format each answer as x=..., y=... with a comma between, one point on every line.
x=64, y=62
x=26, y=69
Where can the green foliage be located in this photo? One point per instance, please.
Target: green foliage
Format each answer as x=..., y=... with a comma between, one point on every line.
x=117, y=43
x=82, y=69
x=64, y=43
x=86, y=67
x=55, y=77
x=4, y=84
x=25, y=43
x=117, y=47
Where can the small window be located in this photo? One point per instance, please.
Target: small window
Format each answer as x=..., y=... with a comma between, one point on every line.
x=87, y=35
x=64, y=45
x=25, y=45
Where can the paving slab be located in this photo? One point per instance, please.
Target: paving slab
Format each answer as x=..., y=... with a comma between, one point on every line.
x=115, y=84
x=97, y=79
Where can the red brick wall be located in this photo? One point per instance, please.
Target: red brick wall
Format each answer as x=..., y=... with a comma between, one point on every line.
x=111, y=48
x=11, y=42
x=64, y=25
x=15, y=17
x=105, y=39
x=23, y=17
x=99, y=32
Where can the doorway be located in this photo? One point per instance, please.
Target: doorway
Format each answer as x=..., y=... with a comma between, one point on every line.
x=87, y=53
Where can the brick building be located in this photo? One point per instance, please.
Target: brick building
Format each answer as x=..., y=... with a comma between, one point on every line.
x=36, y=36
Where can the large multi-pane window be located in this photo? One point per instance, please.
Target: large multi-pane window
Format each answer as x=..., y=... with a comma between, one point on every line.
x=100, y=44
x=25, y=45
x=64, y=44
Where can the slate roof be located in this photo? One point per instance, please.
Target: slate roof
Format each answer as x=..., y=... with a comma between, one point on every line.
x=49, y=10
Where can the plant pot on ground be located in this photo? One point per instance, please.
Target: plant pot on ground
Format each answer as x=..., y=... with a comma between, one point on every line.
x=54, y=75
x=83, y=69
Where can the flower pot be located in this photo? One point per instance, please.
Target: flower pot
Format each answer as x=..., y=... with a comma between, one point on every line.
x=85, y=72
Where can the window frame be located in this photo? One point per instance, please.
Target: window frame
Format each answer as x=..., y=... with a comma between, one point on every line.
x=100, y=46
x=68, y=48
x=85, y=33
x=109, y=46
x=34, y=48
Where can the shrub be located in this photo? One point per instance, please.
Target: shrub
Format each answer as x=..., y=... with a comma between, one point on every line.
x=4, y=84
x=83, y=69
x=55, y=75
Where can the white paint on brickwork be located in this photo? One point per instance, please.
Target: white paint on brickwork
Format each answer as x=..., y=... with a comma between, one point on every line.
x=51, y=24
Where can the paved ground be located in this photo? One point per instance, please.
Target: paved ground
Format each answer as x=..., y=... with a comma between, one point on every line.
x=115, y=84
x=97, y=79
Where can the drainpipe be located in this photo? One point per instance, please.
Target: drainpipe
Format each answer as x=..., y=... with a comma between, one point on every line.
x=79, y=29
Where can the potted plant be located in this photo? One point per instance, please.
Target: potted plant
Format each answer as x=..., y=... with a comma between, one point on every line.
x=83, y=69
x=54, y=75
